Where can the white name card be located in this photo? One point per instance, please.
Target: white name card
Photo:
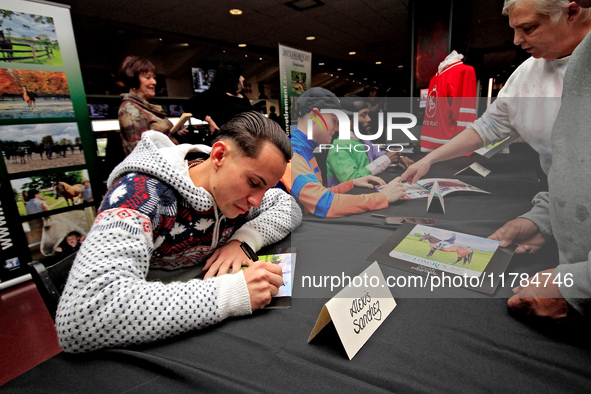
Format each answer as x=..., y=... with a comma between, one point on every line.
x=438, y=205
x=477, y=168
x=357, y=310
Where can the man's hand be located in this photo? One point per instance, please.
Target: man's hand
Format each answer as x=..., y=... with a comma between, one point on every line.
x=263, y=280
x=416, y=171
x=393, y=156
x=364, y=181
x=228, y=256
x=182, y=132
x=541, y=299
x=402, y=161
x=394, y=190
x=521, y=231
x=405, y=162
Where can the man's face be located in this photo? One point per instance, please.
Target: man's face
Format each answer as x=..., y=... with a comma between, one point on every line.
x=364, y=120
x=535, y=32
x=240, y=182
x=323, y=134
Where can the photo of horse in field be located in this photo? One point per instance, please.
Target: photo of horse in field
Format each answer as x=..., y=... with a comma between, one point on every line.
x=445, y=250
x=35, y=94
x=57, y=190
x=68, y=192
x=29, y=97
x=32, y=147
x=463, y=252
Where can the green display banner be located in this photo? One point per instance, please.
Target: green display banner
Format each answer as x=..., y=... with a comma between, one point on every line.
x=49, y=169
x=295, y=74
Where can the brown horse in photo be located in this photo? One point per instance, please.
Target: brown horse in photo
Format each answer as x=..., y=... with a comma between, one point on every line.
x=29, y=97
x=463, y=252
x=68, y=192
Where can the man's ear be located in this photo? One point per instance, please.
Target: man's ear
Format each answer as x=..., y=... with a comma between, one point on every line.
x=573, y=12
x=315, y=112
x=219, y=152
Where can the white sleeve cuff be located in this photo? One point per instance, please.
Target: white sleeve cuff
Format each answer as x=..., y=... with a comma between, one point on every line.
x=233, y=298
x=379, y=165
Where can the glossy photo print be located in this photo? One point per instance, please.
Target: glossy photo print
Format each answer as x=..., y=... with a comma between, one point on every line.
x=28, y=38
x=48, y=192
x=31, y=147
x=58, y=236
x=34, y=94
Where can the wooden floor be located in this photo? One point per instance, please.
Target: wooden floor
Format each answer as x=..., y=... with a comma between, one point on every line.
x=28, y=336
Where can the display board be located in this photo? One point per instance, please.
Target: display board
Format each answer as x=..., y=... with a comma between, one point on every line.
x=48, y=171
x=295, y=77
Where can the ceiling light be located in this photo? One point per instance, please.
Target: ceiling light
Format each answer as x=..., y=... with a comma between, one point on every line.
x=352, y=53
x=350, y=73
x=241, y=45
x=235, y=11
x=401, y=66
x=339, y=69
x=378, y=62
x=321, y=64
x=310, y=38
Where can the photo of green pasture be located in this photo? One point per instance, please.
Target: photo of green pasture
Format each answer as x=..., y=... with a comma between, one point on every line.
x=52, y=202
x=412, y=246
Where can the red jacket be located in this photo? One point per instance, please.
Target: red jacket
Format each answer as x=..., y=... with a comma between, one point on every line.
x=451, y=105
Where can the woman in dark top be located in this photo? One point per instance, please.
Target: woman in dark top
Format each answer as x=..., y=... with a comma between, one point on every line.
x=223, y=100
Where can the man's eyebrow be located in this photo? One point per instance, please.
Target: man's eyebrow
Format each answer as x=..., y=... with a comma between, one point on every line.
x=262, y=180
x=521, y=24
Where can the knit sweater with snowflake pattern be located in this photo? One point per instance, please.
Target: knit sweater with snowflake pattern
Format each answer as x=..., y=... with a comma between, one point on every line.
x=131, y=280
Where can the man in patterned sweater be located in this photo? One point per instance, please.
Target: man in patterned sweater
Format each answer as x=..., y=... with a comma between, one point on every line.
x=166, y=220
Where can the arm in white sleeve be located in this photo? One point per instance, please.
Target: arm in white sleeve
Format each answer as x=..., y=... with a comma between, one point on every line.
x=272, y=221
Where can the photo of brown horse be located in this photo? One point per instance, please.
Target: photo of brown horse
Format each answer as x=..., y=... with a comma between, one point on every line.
x=68, y=192
x=463, y=252
x=29, y=97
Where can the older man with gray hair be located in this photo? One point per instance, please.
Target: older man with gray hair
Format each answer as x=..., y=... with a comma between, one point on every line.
x=528, y=103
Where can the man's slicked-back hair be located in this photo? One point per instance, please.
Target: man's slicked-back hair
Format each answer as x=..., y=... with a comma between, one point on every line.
x=249, y=130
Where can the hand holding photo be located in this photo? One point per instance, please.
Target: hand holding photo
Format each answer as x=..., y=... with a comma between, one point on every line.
x=434, y=251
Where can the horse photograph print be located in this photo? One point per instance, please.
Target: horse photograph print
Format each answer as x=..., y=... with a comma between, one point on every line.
x=48, y=237
x=49, y=191
x=448, y=251
x=26, y=94
x=28, y=38
x=32, y=147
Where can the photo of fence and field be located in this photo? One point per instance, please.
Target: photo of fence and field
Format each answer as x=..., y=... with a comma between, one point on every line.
x=28, y=38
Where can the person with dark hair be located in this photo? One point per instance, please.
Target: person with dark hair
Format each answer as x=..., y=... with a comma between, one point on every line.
x=70, y=244
x=166, y=221
x=136, y=113
x=223, y=100
x=303, y=178
x=273, y=114
x=355, y=157
x=36, y=203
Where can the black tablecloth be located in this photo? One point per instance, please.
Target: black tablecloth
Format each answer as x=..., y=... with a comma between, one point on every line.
x=467, y=342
